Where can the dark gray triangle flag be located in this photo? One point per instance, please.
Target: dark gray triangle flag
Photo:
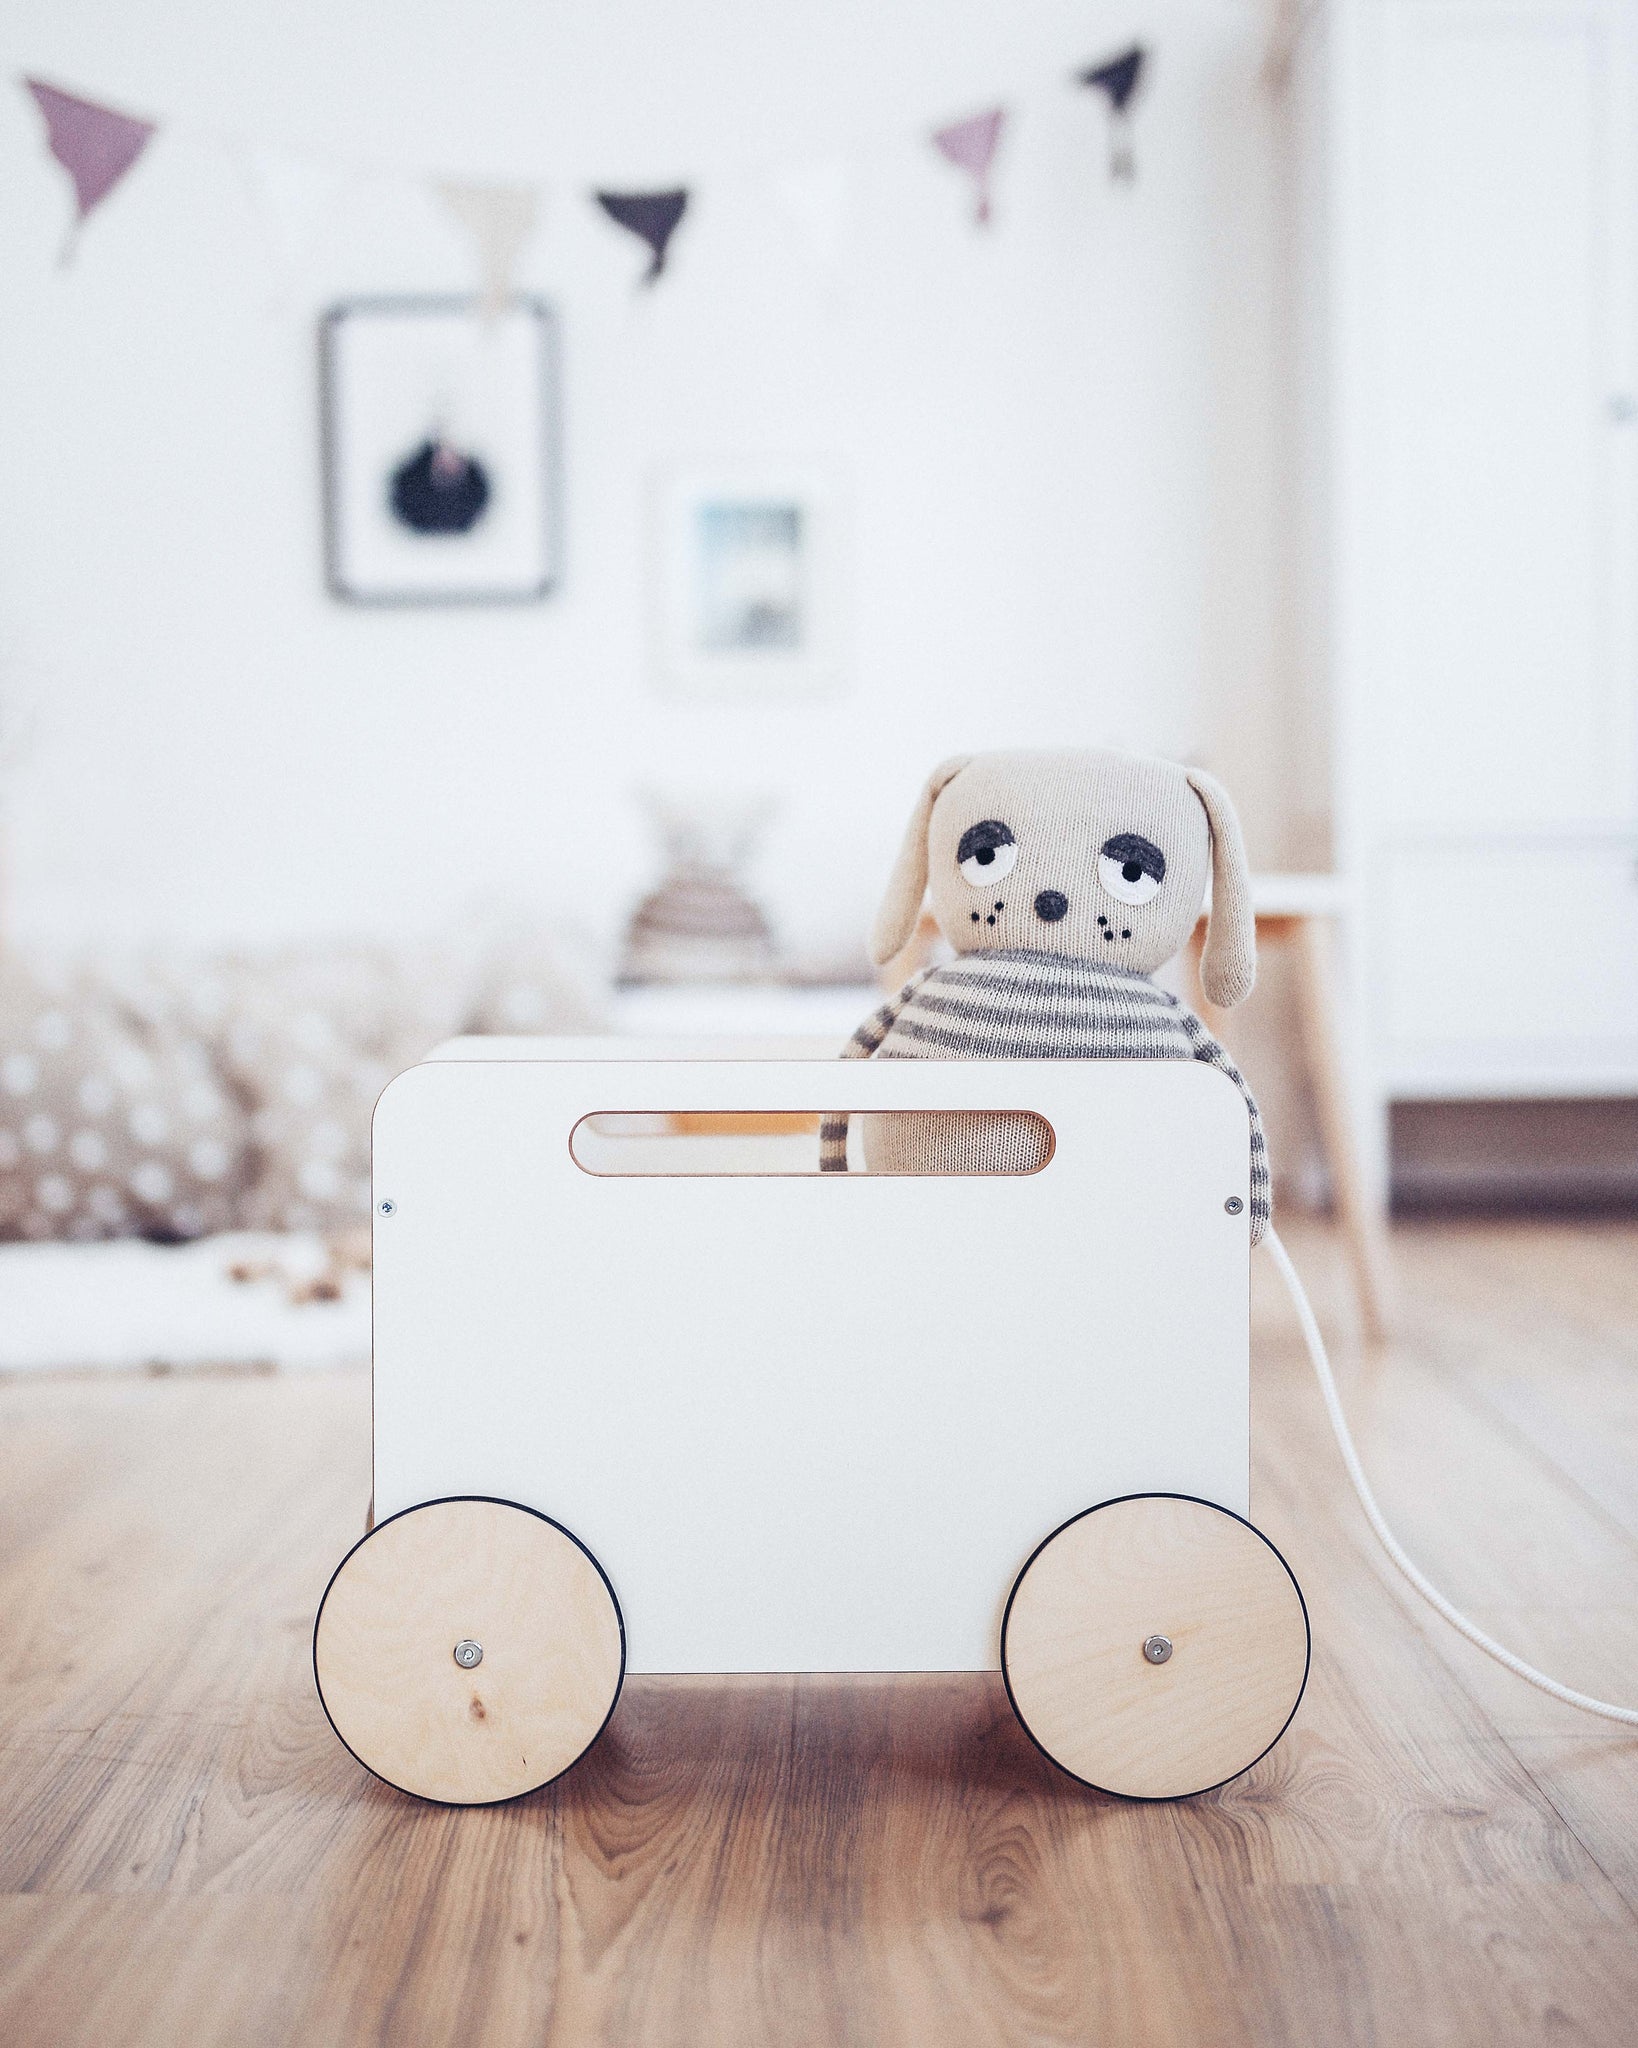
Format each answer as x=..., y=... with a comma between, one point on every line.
x=651, y=216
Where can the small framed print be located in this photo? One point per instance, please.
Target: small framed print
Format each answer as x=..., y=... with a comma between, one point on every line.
x=748, y=585
x=441, y=451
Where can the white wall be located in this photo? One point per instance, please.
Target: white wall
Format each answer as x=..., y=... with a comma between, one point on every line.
x=1059, y=439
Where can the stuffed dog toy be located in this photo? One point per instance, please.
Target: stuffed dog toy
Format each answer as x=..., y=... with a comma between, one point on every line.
x=1062, y=881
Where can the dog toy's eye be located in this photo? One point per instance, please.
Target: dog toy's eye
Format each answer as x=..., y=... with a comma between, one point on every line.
x=986, y=853
x=1131, y=867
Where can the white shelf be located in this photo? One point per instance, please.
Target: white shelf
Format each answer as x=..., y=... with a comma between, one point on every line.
x=748, y=1011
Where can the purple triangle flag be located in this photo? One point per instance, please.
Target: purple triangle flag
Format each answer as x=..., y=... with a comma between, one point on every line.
x=651, y=216
x=95, y=145
x=971, y=145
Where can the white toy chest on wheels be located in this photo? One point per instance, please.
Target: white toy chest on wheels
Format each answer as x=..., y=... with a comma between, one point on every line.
x=674, y=1420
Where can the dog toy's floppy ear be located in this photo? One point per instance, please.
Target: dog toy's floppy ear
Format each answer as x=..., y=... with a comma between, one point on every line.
x=1228, y=965
x=901, y=906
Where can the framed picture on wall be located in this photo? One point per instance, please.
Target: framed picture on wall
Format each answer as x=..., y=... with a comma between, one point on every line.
x=748, y=584
x=441, y=451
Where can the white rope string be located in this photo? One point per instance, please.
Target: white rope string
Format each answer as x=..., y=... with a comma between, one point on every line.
x=1385, y=1536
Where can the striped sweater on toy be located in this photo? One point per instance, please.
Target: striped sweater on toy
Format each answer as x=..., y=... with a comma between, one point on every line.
x=1016, y=1005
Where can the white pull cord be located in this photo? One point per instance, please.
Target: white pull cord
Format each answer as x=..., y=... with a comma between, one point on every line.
x=1385, y=1536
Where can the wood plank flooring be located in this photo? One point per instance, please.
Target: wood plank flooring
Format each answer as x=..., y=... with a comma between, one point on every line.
x=1434, y=1853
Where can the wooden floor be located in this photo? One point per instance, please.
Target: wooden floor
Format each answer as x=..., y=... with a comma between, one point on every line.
x=1433, y=1854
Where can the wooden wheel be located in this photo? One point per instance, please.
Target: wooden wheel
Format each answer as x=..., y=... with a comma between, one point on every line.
x=468, y=1651
x=1155, y=1646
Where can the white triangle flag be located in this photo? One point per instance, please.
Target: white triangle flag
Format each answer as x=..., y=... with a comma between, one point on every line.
x=500, y=220
x=813, y=198
x=293, y=197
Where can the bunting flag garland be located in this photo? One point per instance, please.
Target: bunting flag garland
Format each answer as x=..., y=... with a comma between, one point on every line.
x=95, y=145
x=295, y=196
x=971, y=145
x=1118, y=79
x=651, y=216
x=813, y=198
x=500, y=219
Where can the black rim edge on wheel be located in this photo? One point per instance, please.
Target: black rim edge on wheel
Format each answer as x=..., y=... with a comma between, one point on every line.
x=491, y=1500
x=1156, y=1798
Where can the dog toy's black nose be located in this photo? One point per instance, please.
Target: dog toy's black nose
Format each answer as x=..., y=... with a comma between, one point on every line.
x=1050, y=905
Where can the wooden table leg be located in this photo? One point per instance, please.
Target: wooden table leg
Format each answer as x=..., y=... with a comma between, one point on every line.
x=1322, y=1050
x=1356, y=1212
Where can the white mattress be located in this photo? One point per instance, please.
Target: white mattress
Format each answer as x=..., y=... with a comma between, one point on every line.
x=127, y=1304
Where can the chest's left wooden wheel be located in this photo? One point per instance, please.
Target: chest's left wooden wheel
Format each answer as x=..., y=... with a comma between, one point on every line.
x=469, y=1650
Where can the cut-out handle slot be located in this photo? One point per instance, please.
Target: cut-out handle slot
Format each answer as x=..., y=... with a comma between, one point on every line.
x=706, y=1143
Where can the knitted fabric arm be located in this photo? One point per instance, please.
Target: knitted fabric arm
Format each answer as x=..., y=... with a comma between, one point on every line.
x=1206, y=1048
x=865, y=1041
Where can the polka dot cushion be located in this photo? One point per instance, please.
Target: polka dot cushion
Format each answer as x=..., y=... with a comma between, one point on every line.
x=313, y=1036
x=108, y=1129
x=310, y=1041
x=167, y=1097
x=522, y=984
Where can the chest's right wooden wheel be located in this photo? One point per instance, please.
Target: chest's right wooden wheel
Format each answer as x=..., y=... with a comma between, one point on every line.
x=469, y=1650
x=1155, y=1646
